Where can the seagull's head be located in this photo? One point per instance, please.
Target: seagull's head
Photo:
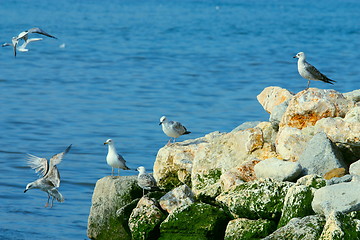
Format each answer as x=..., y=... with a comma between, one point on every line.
x=29, y=186
x=300, y=55
x=141, y=169
x=162, y=119
x=109, y=142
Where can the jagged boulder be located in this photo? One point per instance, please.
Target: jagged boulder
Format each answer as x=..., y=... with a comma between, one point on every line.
x=178, y=197
x=246, y=229
x=271, y=97
x=277, y=169
x=192, y=222
x=340, y=226
x=110, y=194
x=257, y=199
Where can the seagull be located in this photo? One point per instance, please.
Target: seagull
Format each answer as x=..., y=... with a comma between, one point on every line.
x=172, y=129
x=25, y=36
x=21, y=48
x=309, y=72
x=114, y=159
x=50, y=180
x=145, y=180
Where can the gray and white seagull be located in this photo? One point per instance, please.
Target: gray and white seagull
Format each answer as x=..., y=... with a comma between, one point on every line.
x=309, y=72
x=50, y=176
x=114, y=159
x=21, y=48
x=145, y=180
x=25, y=36
x=172, y=129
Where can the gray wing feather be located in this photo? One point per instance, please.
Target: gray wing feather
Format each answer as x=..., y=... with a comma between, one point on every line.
x=39, y=31
x=179, y=128
x=146, y=181
x=53, y=176
x=314, y=72
x=57, y=158
x=40, y=165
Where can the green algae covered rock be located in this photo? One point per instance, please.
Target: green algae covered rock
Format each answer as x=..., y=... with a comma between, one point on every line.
x=307, y=228
x=110, y=194
x=254, y=200
x=244, y=229
x=194, y=222
x=340, y=226
x=297, y=204
x=145, y=219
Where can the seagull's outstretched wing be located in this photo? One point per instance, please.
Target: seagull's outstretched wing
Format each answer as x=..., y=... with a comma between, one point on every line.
x=40, y=31
x=40, y=165
x=53, y=176
x=56, y=159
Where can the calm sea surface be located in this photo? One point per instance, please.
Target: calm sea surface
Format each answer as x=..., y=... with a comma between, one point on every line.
x=127, y=63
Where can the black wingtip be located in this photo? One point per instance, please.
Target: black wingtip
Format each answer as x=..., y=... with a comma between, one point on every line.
x=187, y=132
x=67, y=149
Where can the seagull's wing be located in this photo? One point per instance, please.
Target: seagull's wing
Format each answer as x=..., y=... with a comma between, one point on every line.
x=179, y=128
x=56, y=194
x=24, y=45
x=40, y=165
x=314, y=72
x=147, y=181
x=121, y=159
x=39, y=31
x=56, y=159
x=6, y=44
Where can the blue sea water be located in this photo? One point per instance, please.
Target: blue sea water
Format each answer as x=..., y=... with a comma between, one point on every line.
x=125, y=64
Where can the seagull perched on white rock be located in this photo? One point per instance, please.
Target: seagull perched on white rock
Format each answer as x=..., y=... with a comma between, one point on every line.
x=309, y=72
x=50, y=180
x=172, y=129
x=25, y=36
x=114, y=159
x=145, y=180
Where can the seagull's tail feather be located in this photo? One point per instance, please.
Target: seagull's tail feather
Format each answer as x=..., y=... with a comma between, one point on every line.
x=57, y=195
x=328, y=80
x=187, y=132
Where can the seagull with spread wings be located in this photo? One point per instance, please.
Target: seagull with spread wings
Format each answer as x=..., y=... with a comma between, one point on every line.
x=50, y=176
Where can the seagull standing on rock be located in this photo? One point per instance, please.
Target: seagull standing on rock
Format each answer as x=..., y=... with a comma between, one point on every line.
x=114, y=159
x=172, y=129
x=309, y=72
x=145, y=180
x=50, y=180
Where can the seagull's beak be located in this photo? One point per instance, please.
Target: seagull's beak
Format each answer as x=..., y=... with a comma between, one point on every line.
x=294, y=56
x=25, y=190
x=105, y=143
x=160, y=123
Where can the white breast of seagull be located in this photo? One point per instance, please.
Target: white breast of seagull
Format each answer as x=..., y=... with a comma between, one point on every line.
x=113, y=158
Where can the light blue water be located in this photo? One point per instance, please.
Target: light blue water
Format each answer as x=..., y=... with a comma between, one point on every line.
x=127, y=63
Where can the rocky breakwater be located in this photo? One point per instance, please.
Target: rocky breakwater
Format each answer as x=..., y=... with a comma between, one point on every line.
x=293, y=177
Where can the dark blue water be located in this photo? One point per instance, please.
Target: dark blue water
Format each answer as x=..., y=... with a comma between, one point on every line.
x=127, y=63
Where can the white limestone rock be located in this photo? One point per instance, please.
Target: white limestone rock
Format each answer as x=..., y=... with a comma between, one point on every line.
x=277, y=169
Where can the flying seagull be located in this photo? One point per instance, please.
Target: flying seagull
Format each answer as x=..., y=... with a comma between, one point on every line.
x=50, y=176
x=172, y=129
x=21, y=48
x=309, y=72
x=25, y=36
x=114, y=159
x=145, y=180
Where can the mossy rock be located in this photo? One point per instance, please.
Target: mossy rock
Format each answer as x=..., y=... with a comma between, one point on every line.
x=246, y=229
x=254, y=200
x=297, y=204
x=193, y=222
x=340, y=226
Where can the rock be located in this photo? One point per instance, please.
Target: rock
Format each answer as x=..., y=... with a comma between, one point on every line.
x=277, y=169
x=192, y=222
x=246, y=125
x=253, y=200
x=309, y=227
x=145, y=219
x=246, y=170
x=178, y=197
x=277, y=114
x=342, y=197
x=353, y=96
x=313, y=181
x=244, y=229
x=355, y=168
x=290, y=143
x=271, y=97
x=229, y=179
x=353, y=116
x=297, y=204
x=311, y=105
x=336, y=172
x=320, y=156
x=337, y=180
x=111, y=194
x=339, y=226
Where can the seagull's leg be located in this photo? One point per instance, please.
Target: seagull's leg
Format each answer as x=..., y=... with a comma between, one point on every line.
x=143, y=191
x=47, y=203
x=174, y=140
x=112, y=171
x=168, y=142
x=52, y=202
x=308, y=84
x=118, y=171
